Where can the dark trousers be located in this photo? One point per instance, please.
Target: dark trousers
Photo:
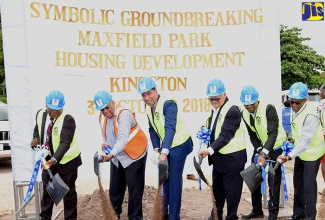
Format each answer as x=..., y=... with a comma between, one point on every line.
x=227, y=187
x=172, y=188
x=133, y=177
x=305, y=187
x=70, y=200
x=274, y=194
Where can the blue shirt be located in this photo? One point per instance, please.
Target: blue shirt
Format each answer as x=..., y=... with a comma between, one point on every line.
x=286, y=118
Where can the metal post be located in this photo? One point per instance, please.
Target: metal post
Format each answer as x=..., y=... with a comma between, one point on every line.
x=19, y=200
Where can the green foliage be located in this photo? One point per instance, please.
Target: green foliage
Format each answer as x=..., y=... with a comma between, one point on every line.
x=3, y=99
x=299, y=62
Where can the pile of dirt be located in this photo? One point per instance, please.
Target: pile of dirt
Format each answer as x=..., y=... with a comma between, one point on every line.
x=196, y=204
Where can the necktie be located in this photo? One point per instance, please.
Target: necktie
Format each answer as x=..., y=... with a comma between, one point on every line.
x=153, y=109
x=48, y=134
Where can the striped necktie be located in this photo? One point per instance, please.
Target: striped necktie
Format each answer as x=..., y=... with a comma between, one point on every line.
x=48, y=134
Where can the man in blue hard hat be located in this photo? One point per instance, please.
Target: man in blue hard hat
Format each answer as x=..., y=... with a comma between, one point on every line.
x=267, y=136
x=308, y=150
x=226, y=150
x=128, y=156
x=55, y=129
x=169, y=135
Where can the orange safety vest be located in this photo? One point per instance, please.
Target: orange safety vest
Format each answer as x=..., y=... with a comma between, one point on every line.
x=137, y=143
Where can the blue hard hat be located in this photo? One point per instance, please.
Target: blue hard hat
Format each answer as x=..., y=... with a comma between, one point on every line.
x=145, y=84
x=298, y=91
x=248, y=95
x=215, y=88
x=55, y=100
x=101, y=99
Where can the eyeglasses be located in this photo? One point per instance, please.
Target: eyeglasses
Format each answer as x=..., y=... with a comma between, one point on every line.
x=214, y=99
x=293, y=102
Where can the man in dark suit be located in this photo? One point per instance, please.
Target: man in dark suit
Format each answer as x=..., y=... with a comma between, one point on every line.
x=226, y=150
x=55, y=129
x=267, y=136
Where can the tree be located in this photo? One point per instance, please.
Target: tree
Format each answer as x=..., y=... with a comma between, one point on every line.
x=299, y=62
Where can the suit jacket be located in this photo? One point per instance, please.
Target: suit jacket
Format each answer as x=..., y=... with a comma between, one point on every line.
x=66, y=137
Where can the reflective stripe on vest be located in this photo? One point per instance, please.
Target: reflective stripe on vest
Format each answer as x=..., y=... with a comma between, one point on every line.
x=158, y=123
x=238, y=142
x=74, y=149
x=137, y=141
x=316, y=148
x=260, y=125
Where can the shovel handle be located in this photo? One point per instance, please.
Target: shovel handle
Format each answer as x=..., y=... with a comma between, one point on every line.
x=46, y=167
x=200, y=159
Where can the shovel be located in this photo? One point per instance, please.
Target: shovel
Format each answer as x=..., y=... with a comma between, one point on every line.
x=163, y=171
x=56, y=188
x=96, y=164
x=252, y=176
x=199, y=170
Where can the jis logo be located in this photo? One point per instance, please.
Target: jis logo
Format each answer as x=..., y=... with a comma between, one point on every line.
x=312, y=11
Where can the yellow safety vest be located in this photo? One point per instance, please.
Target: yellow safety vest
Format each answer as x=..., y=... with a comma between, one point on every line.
x=238, y=143
x=316, y=148
x=260, y=125
x=137, y=142
x=74, y=149
x=158, y=123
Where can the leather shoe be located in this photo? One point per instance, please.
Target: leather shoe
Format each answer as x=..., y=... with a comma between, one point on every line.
x=297, y=217
x=191, y=177
x=253, y=215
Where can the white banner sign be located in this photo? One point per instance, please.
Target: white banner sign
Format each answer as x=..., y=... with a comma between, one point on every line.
x=81, y=47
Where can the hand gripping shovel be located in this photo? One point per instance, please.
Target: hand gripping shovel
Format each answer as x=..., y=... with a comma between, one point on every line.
x=163, y=171
x=252, y=176
x=56, y=188
x=199, y=170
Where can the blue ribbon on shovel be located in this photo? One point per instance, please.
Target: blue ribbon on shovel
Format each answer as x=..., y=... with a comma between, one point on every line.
x=203, y=135
x=41, y=153
x=287, y=148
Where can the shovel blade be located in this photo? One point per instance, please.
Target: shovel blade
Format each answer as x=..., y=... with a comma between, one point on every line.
x=96, y=164
x=199, y=171
x=163, y=171
x=57, y=189
x=252, y=176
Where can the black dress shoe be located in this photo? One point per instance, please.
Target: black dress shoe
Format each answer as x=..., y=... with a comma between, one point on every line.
x=253, y=215
x=165, y=216
x=297, y=217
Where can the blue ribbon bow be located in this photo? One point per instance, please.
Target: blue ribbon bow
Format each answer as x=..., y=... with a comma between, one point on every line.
x=287, y=148
x=203, y=135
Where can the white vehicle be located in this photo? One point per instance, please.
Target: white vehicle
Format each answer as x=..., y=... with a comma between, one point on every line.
x=313, y=98
x=5, y=151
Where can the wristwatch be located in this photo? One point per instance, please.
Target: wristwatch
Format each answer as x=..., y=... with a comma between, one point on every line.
x=54, y=160
x=289, y=158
